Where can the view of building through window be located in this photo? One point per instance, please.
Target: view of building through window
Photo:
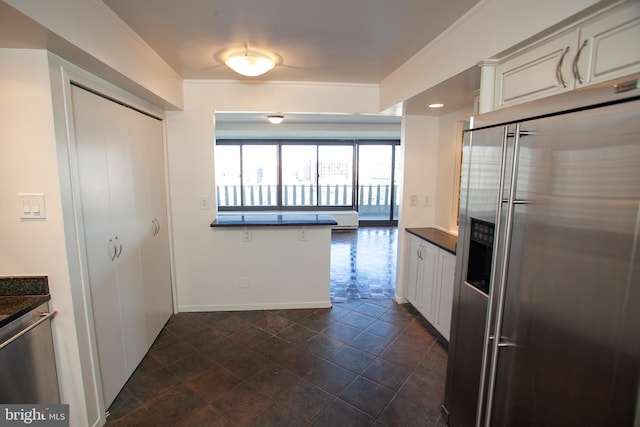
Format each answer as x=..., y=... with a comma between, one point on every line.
x=281, y=175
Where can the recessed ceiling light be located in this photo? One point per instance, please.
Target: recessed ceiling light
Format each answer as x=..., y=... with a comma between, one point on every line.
x=436, y=105
x=275, y=119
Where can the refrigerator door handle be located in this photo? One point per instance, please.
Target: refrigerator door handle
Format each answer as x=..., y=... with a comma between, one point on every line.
x=492, y=354
x=505, y=342
x=486, y=353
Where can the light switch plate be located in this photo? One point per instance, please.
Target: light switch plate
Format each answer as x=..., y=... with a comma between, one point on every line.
x=204, y=203
x=32, y=206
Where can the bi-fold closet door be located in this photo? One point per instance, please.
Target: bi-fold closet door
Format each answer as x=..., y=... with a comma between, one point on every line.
x=121, y=185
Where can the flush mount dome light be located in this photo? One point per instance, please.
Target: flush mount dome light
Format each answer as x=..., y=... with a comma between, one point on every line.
x=275, y=119
x=249, y=62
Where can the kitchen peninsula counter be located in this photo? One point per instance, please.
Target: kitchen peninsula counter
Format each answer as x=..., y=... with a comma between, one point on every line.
x=272, y=260
x=266, y=219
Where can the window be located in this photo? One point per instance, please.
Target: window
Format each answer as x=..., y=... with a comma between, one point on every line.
x=259, y=175
x=228, y=175
x=302, y=175
x=335, y=177
x=375, y=181
x=299, y=175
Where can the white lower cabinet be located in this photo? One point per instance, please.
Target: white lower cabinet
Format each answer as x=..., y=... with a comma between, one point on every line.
x=121, y=184
x=415, y=270
x=428, y=286
x=430, y=282
x=446, y=270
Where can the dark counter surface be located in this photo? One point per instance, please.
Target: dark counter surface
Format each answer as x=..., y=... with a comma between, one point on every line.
x=252, y=220
x=444, y=240
x=19, y=295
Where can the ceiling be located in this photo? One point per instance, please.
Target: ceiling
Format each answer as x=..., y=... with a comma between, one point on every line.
x=353, y=41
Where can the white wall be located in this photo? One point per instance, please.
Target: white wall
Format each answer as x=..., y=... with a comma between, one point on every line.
x=198, y=255
x=450, y=128
x=420, y=155
x=419, y=145
x=95, y=38
x=431, y=148
x=28, y=164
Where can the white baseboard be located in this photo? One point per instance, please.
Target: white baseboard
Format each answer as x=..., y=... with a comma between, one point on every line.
x=400, y=300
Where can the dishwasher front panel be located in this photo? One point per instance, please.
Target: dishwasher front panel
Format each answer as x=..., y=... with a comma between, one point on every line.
x=27, y=362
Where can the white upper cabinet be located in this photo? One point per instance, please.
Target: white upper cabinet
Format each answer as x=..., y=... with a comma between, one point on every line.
x=600, y=49
x=538, y=72
x=611, y=46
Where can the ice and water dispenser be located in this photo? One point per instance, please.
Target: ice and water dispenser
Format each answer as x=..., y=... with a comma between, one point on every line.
x=480, y=254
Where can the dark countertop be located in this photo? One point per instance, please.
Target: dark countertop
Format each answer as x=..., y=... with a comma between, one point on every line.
x=444, y=240
x=252, y=220
x=19, y=295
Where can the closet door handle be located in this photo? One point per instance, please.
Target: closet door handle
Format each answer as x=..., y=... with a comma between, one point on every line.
x=115, y=250
x=576, y=66
x=559, y=75
x=119, y=247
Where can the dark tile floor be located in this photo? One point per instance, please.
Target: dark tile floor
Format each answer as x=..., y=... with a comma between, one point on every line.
x=362, y=362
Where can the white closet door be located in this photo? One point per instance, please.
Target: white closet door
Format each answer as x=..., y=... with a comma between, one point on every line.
x=126, y=225
x=149, y=164
x=91, y=133
x=105, y=134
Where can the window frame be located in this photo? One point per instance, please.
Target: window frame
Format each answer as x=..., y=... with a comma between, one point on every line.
x=353, y=143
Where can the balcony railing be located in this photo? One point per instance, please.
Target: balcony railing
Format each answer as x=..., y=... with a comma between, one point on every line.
x=372, y=199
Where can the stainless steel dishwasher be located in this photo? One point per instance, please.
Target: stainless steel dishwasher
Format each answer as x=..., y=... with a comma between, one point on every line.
x=27, y=359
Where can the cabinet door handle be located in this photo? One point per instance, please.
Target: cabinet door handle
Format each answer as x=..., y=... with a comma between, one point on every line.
x=154, y=224
x=115, y=250
x=119, y=247
x=157, y=227
x=576, y=66
x=559, y=75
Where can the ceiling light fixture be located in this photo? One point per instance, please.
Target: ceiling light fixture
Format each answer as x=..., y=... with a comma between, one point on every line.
x=249, y=62
x=436, y=105
x=275, y=119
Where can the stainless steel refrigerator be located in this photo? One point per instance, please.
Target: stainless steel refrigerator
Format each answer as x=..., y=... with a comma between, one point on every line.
x=546, y=316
